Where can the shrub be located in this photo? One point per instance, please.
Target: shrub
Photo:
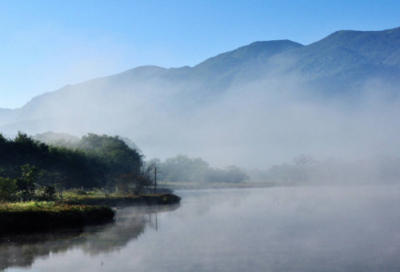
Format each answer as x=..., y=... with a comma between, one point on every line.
x=27, y=183
x=46, y=193
x=8, y=188
x=78, y=191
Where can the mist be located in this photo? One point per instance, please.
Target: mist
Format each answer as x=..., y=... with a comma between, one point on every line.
x=350, y=228
x=269, y=123
x=252, y=125
x=256, y=106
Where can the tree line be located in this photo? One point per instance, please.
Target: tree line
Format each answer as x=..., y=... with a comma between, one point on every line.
x=182, y=168
x=45, y=165
x=95, y=161
x=306, y=170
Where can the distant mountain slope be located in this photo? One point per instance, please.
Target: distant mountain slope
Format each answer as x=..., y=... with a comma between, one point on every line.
x=346, y=59
x=5, y=115
x=379, y=47
x=189, y=84
x=152, y=105
x=234, y=65
x=341, y=61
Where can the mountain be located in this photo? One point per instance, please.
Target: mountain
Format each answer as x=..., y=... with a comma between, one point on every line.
x=5, y=114
x=162, y=109
x=348, y=58
x=192, y=85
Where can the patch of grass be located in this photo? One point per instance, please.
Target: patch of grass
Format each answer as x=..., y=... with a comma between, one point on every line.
x=128, y=200
x=74, y=211
x=47, y=206
x=42, y=216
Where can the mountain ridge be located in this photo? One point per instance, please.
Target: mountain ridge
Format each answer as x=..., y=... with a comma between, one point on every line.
x=340, y=94
x=331, y=46
x=339, y=64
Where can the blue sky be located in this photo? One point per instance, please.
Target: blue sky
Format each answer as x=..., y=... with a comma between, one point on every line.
x=47, y=44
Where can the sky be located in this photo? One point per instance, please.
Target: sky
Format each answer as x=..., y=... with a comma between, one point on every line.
x=48, y=44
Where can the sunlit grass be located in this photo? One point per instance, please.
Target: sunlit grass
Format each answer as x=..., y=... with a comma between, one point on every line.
x=37, y=216
x=92, y=196
x=73, y=210
x=79, y=202
x=45, y=206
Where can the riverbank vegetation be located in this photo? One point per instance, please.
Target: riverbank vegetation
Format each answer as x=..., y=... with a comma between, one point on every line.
x=32, y=170
x=70, y=183
x=40, y=216
x=75, y=210
x=182, y=169
x=93, y=162
x=46, y=166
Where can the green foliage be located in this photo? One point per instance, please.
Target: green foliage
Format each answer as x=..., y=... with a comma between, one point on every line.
x=8, y=188
x=113, y=151
x=78, y=191
x=46, y=192
x=59, y=188
x=27, y=182
x=90, y=162
x=49, y=191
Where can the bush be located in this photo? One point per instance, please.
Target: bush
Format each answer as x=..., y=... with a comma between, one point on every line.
x=27, y=183
x=46, y=193
x=8, y=188
x=78, y=191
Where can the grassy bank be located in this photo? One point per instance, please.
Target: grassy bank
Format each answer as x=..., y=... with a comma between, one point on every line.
x=43, y=216
x=120, y=201
x=74, y=211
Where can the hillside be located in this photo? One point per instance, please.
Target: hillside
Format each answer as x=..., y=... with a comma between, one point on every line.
x=169, y=109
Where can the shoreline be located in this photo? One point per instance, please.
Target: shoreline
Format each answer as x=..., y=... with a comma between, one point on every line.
x=123, y=201
x=34, y=217
x=58, y=217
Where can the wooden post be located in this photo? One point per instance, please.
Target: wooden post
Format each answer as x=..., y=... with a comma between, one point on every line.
x=155, y=180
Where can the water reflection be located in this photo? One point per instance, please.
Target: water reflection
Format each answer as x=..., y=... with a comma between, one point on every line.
x=308, y=229
x=200, y=202
x=130, y=223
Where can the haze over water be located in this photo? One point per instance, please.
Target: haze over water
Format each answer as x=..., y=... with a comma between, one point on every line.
x=342, y=228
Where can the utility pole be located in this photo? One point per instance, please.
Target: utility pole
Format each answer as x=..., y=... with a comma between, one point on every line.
x=155, y=180
x=156, y=222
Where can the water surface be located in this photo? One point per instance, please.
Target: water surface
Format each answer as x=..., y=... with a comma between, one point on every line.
x=271, y=229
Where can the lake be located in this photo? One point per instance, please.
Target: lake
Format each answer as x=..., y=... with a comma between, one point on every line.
x=341, y=228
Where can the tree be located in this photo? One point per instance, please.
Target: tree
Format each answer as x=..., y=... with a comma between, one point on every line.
x=113, y=152
x=303, y=167
x=181, y=168
x=8, y=187
x=134, y=184
x=27, y=183
x=87, y=163
x=235, y=175
x=304, y=160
